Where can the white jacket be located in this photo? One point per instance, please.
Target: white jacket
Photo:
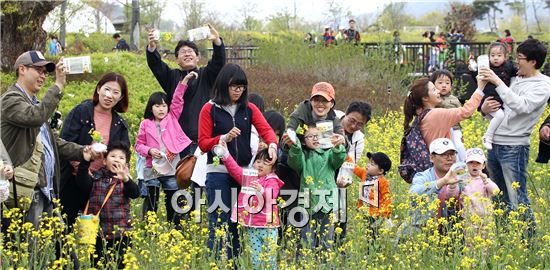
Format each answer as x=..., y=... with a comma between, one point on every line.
x=524, y=103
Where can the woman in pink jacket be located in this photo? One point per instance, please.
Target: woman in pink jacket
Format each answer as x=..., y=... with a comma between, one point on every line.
x=160, y=140
x=256, y=207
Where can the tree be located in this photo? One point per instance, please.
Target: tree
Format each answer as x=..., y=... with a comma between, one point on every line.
x=519, y=9
x=194, y=13
x=433, y=18
x=461, y=17
x=537, y=19
x=151, y=11
x=62, y=14
x=249, y=22
x=335, y=12
x=101, y=10
x=363, y=21
x=281, y=21
x=393, y=17
x=22, y=17
x=489, y=8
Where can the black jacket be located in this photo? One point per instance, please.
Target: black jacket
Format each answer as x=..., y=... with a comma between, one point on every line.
x=505, y=73
x=198, y=92
x=76, y=128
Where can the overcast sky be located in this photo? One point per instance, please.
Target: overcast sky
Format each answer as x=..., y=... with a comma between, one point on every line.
x=229, y=10
x=311, y=10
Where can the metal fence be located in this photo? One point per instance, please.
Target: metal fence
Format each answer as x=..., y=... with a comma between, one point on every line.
x=240, y=55
x=425, y=57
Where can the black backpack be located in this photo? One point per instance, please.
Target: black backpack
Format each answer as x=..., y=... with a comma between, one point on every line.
x=414, y=156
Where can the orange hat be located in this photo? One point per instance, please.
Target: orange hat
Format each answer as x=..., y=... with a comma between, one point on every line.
x=323, y=89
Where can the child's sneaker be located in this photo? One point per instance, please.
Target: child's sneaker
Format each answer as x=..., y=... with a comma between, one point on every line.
x=487, y=142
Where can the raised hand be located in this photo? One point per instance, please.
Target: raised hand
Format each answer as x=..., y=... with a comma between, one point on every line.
x=60, y=76
x=215, y=36
x=337, y=139
x=121, y=171
x=8, y=172
x=189, y=76
x=151, y=38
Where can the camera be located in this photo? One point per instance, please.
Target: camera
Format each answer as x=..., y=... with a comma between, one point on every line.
x=55, y=120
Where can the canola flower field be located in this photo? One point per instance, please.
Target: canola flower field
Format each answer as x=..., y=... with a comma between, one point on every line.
x=157, y=245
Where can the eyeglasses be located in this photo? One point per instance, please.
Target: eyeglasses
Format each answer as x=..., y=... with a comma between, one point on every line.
x=447, y=154
x=355, y=123
x=237, y=88
x=39, y=70
x=520, y=58
x=312, y=137
x=185, y=51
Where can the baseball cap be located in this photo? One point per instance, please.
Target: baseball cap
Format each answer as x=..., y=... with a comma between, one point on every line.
x=441, y=145
x=475, y=154
x=381, y=159
x=34, y=58
x=323, y=89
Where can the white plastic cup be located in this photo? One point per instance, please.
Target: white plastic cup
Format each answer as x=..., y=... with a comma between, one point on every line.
x=156, y=35
x=461, y=170
x=219, y=151
x=482, y=61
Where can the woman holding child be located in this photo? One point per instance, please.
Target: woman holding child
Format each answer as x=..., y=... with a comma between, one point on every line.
x=422, y=100
x=100, y=114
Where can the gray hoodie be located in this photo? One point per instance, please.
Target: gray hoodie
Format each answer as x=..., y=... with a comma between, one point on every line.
x=524, y=103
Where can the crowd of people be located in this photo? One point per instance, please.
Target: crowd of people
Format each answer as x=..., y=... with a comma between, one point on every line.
x=439, y=51
x=253, y=153
x=332, y=37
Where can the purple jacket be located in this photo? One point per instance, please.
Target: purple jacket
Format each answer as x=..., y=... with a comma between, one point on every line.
x=173, y=136
x=248, y=215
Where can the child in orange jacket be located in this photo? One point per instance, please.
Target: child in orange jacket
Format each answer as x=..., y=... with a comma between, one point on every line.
x=374, y=189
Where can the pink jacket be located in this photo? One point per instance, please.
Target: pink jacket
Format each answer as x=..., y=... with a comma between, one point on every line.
x=173, y=136
x=438, y=122
x=476, y=190
x=268, y=217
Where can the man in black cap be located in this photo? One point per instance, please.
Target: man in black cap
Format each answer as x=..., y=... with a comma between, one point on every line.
x=32, y=146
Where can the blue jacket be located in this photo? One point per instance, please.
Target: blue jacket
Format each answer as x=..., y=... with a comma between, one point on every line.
x=423, y=184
